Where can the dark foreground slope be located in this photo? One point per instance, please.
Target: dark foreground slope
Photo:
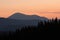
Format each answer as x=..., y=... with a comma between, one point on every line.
x=29, y=33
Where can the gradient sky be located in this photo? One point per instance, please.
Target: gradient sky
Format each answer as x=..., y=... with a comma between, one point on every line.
x=46, y=8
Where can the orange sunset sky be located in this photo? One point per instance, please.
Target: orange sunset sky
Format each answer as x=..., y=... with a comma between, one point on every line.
x=46, y=8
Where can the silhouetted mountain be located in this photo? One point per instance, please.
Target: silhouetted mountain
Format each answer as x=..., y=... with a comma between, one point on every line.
x=19, y=20
x=20, y=16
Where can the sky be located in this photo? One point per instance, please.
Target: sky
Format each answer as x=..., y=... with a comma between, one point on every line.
x=46, y=8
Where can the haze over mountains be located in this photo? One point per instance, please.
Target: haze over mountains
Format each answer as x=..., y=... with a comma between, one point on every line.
x=19, y=20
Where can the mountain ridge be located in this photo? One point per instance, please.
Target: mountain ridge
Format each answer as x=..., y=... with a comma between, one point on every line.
x=13, y=23
x=22, y=16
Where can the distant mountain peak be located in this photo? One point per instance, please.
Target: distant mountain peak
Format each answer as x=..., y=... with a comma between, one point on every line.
x=17, y=13
x=19, y=16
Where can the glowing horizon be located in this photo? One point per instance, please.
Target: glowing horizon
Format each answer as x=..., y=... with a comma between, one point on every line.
x=46, y=8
